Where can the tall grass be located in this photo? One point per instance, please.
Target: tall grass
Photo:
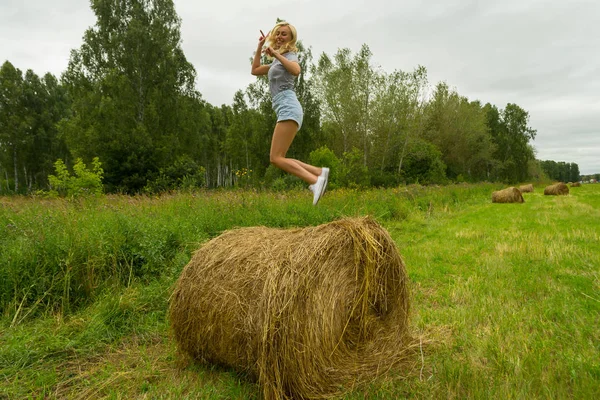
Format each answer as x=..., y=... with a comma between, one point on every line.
x=56, y=256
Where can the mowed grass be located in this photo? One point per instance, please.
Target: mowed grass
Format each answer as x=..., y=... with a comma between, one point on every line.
x=512, y=293
x=505, y=297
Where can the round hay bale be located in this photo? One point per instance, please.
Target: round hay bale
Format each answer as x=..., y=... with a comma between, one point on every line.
x=508, y=195
x=307, y=312
x=575, y=184
x=526, y=188
x=558, y=189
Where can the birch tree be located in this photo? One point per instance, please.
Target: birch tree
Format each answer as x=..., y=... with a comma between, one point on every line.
x=347, y=88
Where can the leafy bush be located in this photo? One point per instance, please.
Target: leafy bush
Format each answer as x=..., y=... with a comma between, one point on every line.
x=82, y=182
x=278, y=180
x=323, y=157
x=385, y=178
x=184, y=174
x=353, y=172
x=423, y=163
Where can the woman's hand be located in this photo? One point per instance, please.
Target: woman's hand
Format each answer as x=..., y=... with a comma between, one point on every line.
x=258, y=69
x=262, y=39
x=269, y=51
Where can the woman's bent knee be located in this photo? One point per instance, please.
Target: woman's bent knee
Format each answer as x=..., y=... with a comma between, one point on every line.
x=276, y=161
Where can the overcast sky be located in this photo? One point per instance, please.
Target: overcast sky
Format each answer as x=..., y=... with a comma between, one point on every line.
x=543, y=55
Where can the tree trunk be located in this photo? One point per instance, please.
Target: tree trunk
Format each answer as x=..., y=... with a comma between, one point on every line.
x=247, y=157
x=27, y=181
x=386, y=147
x=218, y=183
x=141, y=107
x=403, y=153
x=15, y=167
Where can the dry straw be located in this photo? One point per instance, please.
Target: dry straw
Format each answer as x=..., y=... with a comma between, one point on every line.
x=526, y=188
x=558, y=189
x=508, y=195
x=308, y=313
x=575, y=184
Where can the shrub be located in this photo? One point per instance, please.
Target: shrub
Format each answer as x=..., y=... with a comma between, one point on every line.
x=82, y=182
x=385, y=178
x=353, y=171
x=279, y=180
x=184, y=174
x=323, y=157
x=423, y=163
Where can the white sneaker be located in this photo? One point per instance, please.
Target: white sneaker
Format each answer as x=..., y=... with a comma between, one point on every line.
x=325, y=174
x=318, y=189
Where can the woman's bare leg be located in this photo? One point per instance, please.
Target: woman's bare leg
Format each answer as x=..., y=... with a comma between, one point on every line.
x=310, y=168
x=284, y=134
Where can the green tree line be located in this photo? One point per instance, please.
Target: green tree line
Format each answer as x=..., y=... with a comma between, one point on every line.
x=128, y=98
x=561, y=171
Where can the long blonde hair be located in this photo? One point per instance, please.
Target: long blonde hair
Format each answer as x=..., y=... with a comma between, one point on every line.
x=289, y=46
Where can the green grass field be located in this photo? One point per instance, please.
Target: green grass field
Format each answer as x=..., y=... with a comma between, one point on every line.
x=505, y=297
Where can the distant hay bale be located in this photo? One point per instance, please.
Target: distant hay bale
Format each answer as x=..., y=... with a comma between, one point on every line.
x=526, y=188
x=508, y=195
x=575, y=184
x=307, y=312
x=558, y=189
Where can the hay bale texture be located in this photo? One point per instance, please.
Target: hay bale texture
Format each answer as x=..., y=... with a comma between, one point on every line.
x=307, y=312
x=576, y=184
x=508, y=195
x=526, y=188
x=558, y=189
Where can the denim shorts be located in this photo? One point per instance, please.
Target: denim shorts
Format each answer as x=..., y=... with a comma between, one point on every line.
x=287, y=107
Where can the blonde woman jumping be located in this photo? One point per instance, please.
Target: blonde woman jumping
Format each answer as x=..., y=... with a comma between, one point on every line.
x=282, y=73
